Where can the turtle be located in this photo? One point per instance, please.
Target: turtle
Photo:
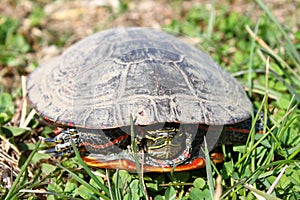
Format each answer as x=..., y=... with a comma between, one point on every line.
x=141, y=86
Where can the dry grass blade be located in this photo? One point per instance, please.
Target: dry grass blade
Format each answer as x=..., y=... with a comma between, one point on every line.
x=263, y=44
x=7, y=145
x=24, y=106
x=28, y=118
x=13, y=190
x=277, y=180
x=109, y=184
x=291, y=48
x=36, y=191
x=218, y=191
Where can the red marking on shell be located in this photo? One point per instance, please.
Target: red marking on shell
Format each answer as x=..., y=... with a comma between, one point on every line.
x=240, y=130
x=70, y=124
x=105, y=145
x=48, y=120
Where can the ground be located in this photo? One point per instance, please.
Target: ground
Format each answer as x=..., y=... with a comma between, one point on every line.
x=46, y=28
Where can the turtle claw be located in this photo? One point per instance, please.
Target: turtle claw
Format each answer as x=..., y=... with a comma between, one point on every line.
x=48, y=151
x=47, y=139
x=55, y=153
x=60, y=149
x=62, y=142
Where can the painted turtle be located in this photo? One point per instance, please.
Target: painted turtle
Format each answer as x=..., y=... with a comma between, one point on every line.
x=175, y=93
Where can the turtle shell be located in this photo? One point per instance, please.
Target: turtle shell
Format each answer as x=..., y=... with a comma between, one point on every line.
x=102, y=80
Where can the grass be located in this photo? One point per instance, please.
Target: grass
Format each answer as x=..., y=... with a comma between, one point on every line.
x=264, y=57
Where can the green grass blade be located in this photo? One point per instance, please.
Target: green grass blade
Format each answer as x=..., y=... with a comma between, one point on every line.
x=138, y=165
x=257, y=173
x=250, y=70
x=14, y=190
x=87, y=169
x=117, y=191
x=212, y=16
x=83, y=182
x=133, y=147
x=291, y=47
x=290, y=88
x=261, y=193
x=208, y=170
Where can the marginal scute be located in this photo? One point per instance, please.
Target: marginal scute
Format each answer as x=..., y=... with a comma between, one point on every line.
x=105, y=78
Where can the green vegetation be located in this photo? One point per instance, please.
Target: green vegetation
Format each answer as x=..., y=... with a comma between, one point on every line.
x=262, y=54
